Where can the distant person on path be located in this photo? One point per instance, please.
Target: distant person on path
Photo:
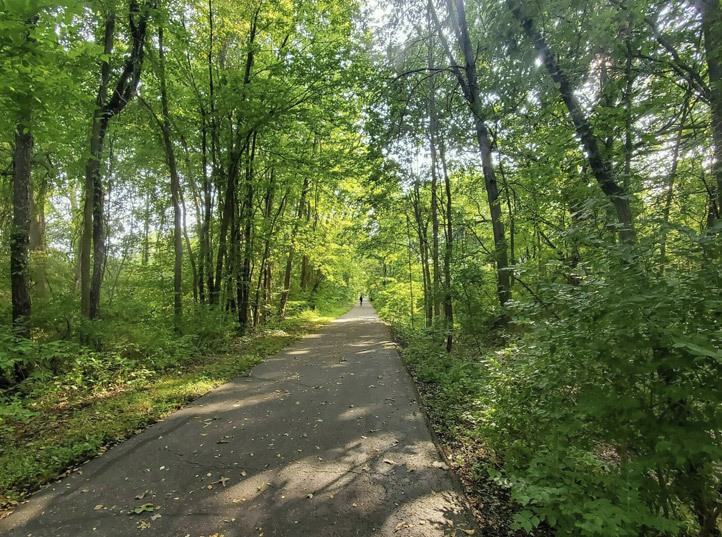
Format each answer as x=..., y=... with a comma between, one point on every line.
x=361, y=300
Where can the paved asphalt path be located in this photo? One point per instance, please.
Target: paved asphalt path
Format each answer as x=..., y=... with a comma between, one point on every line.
x=323, y=439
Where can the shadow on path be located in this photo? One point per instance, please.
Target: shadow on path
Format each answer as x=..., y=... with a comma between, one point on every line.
x=323, y=439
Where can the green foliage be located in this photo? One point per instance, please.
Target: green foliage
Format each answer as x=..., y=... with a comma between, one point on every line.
x=607, y=415
x=450, y=381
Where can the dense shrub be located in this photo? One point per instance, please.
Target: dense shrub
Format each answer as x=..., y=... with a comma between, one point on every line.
x=607, y=414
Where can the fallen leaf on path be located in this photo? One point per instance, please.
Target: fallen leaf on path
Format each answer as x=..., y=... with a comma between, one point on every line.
x=469, y=532
x=155, y=517
x=98, y=507
x=143, y=524
x=442, y=465
x=142, y=495
x=389, y=461
x=145, y=508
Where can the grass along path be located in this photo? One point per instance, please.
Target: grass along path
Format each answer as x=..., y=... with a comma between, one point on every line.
x=68, y=428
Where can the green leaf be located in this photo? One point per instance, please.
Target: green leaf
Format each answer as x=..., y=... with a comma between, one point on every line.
x=698, y=350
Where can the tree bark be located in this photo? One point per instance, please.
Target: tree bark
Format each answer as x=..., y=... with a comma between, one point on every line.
x=19, y=238
x=468, y=81
x=422, y=231
x=244, y=278
x=165, y=125
x=126, y=84
x=431, y=110
x=448, y=254
x=92, y=167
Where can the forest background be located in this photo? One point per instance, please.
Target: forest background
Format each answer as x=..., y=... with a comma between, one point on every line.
x=529, y=191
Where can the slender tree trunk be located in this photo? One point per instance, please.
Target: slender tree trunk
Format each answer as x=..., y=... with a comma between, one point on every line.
x=468, y=80
x=671, y=177
x=145, y=256
x=244, y=280
x=292, y=250
x=92, y=166
x=208, y=292
x=448, y=254
x=305, y=272
x=267, y=291
x=37, y=238
x=106, y=108
x=98, y=228
x=411, y=273
x=422, y=230
x=431, y=110
x=191, y=254
x=19, y=238
x=174, y=188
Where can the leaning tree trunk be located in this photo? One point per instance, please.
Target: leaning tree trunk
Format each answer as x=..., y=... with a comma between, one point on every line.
x=601, y=167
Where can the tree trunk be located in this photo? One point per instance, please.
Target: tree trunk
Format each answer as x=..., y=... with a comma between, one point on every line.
x=448, y=253
x=19, y=238
x=244, y=279
x=422, y=231
x=292, y=250
x=37, y=238
x=669, y=187
x=711, y=13
x=174, y=188
x=470, y=89
x=431, y=109
x=126, y=84
x=92, y=166
x=601, y=166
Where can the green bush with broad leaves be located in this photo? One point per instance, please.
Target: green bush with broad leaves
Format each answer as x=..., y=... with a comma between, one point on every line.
x=608, y=413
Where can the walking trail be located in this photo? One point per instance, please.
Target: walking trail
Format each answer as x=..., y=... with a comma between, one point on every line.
x=325, y=438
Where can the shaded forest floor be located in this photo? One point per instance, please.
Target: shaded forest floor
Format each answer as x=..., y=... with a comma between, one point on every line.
x=54, y=432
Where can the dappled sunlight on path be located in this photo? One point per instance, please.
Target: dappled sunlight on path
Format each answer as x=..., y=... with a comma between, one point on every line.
x=323, y=439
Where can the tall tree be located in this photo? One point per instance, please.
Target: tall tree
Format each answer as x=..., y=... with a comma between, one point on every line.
x=468, y=79
x=22, y=166
x=600, y=164
x=106, y=108
x=711, y=13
